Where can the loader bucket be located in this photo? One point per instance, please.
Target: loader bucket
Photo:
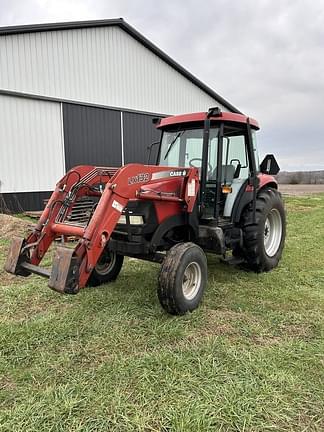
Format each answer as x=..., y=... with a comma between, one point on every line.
x=65, y=272
x=16, y=257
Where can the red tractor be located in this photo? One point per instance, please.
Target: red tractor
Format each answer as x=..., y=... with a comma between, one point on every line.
x=207, y=193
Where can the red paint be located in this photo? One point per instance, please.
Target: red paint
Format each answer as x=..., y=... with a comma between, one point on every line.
x=164, y=210
x=152, y=196
x=67, y=230
x=173, y=185
x=266, y=179
x=169, y=194
x=201, y=116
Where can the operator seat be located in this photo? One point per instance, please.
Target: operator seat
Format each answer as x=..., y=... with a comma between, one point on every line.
x=227, y=174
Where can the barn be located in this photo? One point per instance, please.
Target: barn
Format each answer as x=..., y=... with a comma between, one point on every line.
x=82, y=93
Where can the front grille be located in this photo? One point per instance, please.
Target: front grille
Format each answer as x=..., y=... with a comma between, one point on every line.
x=80, y=214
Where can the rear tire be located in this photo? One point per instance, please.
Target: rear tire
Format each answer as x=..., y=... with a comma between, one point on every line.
x=107, y=268
x=182, y=279
x=263, y=241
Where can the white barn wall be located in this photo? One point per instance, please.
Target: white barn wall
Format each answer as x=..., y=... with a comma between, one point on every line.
x=100, y=65
x=31, y=145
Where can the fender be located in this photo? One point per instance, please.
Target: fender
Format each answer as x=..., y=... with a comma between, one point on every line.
x=245, y=195
x=267, y=180
x=175, y=221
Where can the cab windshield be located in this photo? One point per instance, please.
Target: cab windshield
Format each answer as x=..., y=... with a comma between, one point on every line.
x=183, y=148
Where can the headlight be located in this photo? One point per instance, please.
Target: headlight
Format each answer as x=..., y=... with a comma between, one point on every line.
x=133, y=220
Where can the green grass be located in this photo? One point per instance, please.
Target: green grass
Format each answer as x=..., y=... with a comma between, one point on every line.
x=251, y=358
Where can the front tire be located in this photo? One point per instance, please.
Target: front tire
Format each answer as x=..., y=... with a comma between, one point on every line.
x=182, y=279
x=264, y=239
x=107, y=268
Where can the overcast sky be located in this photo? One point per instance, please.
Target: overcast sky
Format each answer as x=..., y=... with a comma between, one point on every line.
x=266, y=57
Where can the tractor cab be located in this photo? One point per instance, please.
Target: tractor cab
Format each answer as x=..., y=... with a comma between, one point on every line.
x=223, y=147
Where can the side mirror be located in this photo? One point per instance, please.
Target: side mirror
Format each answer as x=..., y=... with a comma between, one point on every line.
x=269, y=165
x=237, y=171
x=238, y=167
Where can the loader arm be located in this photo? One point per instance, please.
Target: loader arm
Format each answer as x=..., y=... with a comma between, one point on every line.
x=113, y=188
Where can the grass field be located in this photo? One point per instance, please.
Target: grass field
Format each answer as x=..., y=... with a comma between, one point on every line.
x=251, y=358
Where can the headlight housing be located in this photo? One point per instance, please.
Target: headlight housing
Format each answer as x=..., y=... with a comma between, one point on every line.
x=133, y=220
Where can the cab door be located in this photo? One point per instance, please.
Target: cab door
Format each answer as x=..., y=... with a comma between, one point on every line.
x=208, y=184
x=235, y=166
x=227, y=170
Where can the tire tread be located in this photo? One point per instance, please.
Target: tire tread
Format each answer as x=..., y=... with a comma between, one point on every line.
x=167, y=277
x=251, y=249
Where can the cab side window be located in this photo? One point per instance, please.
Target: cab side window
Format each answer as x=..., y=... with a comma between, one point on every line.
x=235, y=156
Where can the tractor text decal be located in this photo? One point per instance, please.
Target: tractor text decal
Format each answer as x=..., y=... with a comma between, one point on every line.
x=165, y=174
x=139, y=178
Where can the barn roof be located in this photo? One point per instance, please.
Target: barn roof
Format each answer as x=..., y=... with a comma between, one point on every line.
x=33, y=28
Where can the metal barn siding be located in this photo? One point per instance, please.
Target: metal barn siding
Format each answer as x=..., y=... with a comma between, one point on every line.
x=31, y=145
x=91, y=136
x=22, y=201
x=139, y=133
x=98, y=65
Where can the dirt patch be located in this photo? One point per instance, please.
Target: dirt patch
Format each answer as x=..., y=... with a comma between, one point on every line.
x=301, y=189
x=219, y=317
x=11, y=225
x=266, y=340
x=8, y=279
x=287, y=332
x=241, y=324
x=216, y=330
x=7, y=383
x=37, y=308
x=221, y=323
x=299, y=331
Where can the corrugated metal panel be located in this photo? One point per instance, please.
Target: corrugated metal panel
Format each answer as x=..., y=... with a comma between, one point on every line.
x=103, y=65
x=139, y=133
x=91, y=136
x=31, y=146
x=23, y=201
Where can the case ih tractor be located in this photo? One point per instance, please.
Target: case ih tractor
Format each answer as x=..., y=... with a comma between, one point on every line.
x=207, y=193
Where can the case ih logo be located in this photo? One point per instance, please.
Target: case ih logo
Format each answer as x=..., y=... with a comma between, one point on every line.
x=178, y=173
x=139, y=178
x=166, y=174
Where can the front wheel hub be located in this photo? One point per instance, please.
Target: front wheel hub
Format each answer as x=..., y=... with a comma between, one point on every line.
x=191, y=280
x=106, y=262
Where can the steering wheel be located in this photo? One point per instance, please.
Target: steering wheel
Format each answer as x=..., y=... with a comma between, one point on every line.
x=210, y=168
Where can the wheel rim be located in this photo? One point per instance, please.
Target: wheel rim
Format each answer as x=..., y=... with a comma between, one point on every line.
x=191, y=280
x=106, y=262
x=272, y=232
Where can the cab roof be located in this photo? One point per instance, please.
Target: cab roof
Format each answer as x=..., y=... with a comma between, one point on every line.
x=201, y=116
